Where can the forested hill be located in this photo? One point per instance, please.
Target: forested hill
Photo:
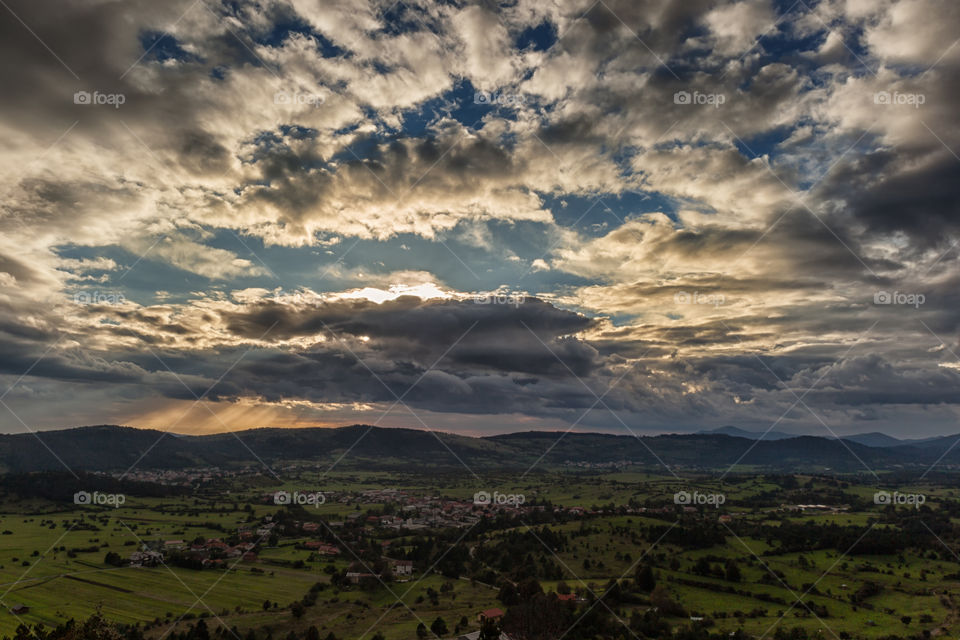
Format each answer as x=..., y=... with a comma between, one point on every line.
x=113, y=448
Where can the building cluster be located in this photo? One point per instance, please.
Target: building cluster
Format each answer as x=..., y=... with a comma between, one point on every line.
x=400, y=569
x=825, y=508
x=178, y=476
x=212, y=552
x=146, y=558
x=321, y=548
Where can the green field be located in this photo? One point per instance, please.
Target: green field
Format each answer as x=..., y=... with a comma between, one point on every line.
x=53, y=557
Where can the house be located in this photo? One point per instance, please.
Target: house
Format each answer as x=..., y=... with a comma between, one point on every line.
x=490, y=614
x=567, y=597
x=19, y=609
x=146, y=558
x=402, y=567
x=249, y=556
x=355, y=577
x=322, y=548
x=173, y=544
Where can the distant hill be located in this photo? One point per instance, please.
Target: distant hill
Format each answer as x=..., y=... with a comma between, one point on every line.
x=115, y=448
x=875, y=439
x=872, y=439
x=737, y=432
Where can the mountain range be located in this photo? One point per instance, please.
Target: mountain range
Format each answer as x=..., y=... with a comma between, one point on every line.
x=872, y=439
x=109, y=448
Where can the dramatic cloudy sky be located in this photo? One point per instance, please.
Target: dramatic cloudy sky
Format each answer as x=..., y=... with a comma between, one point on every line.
x=642, y=215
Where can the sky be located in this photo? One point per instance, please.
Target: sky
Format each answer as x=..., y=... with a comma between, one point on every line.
x=630, y=216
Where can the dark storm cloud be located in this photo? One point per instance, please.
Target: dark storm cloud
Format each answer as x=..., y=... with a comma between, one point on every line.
x=494, y=337
x=96, y=47
x=489, y=358
x=870, y=380
x=893, y=194
x=119, y=370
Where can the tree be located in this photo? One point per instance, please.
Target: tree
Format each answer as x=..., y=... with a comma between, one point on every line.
x=439, y=627
x=702, y=568
x=96, y=627
x=906, y=619
x=422, y=631
x=645, y=579
x=489, y=630
x=200, y=631
x=312, y=633
x=297, y=610
x=508, y=594
x=665, y=603
x=542, y=617
x=528, y=589
x=732, y=571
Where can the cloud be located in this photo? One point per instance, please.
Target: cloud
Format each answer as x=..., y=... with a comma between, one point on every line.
x=669, y=197
x=737, y=26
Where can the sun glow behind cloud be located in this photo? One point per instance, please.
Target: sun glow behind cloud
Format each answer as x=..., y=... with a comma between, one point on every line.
x=424, y=291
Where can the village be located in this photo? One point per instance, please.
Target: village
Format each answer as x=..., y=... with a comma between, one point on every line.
x=394, y=513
